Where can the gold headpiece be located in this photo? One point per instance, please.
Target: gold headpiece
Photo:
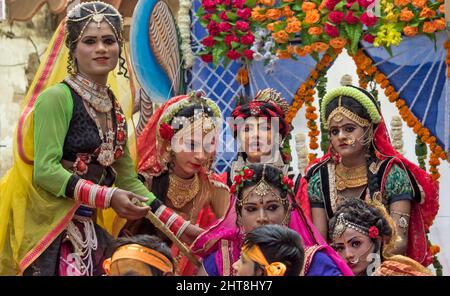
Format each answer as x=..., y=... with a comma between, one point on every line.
x=339, y=113
x=342, y=224
x=270, y=95
x=98, y=16
x=263, y=188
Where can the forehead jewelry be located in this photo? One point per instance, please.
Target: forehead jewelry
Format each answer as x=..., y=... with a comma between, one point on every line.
x=339, y=113
x=95, y=15
x=342, y=224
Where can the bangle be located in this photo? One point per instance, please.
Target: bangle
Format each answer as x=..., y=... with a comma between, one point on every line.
x=93, y=195
x=182, y=228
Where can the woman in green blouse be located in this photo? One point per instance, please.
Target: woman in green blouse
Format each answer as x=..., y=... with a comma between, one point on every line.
x=48, y=205
x=363, y=164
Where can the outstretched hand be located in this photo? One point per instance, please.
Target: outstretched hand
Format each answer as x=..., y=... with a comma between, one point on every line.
x=123, y=202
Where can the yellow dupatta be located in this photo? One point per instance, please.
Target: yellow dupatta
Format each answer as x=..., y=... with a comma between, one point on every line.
x=30, y=217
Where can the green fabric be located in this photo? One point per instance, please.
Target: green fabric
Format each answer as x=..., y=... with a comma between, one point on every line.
x=397, y=183
x=315, y=189
x=52, y=115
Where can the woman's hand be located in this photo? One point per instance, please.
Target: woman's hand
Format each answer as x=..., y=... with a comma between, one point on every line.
x=191, y=233
x=122, y=203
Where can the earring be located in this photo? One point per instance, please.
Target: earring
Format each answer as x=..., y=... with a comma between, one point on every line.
x=336, y=156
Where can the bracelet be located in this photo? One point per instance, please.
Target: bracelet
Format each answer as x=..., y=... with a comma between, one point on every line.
x=183, y=228
x=93, y=195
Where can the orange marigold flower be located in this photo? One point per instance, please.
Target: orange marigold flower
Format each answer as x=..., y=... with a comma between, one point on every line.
x=267, y=2
x=271, y=27
x=283, y=54
x=401, y=3
x=293, y=27
x=419, y=3
x=313, y=145
x=442, y=9
x=288, y=1
x=400, y=103
x=338, y=42
x=280, y=36
x=439, y=24
x=427, y=12
x=429, y=27
x=410, y=31
x=307, y=6
x=312, y=16
x=258, y=14
x=273, y=14
x=406, y=15
x=319, y=46
x=315, y=30
x=384, y=83
x=287, y=12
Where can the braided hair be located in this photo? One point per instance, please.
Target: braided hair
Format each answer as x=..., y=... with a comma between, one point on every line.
x=361, y=213
x=354, y=106
x=76, y=22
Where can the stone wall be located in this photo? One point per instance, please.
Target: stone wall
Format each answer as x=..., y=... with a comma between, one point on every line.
x=21, y=44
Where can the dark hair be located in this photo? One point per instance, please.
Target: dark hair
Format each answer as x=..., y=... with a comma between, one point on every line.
x=272, y=175
x=354, y=106
x=359, y=212
x=243, y=111
x=148, y=241
x=278, y=244
x=74, y=29
x=189, y=112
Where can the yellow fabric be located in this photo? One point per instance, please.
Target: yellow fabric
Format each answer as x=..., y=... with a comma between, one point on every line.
x=255, y=254
x=30, y=217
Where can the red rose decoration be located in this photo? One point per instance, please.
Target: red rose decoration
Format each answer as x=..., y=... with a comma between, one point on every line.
x=209, y=5
x=331, y=4
x=238, y=3
x=242, y=26
x=244, y=13
x=248, y=53
x=213, y=28
x=207, y=58
x=233, y=189
x=365, y=3
x=233, y=55
x=230, y=38
x=238, y=179
x=288, y=182
x=351, y=19
x=225, y=27
x=369, y=38
x=248, y=174
x=336, y=17
x=350, y=3
x=248, y=39
x=373, y=232
x=207, y=17
x=208, y=41
x=223, y=16
x=166, y=132
x=332, y=31
x=368, y=20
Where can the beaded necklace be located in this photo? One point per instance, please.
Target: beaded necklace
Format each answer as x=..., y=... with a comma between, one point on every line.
x=107, y=152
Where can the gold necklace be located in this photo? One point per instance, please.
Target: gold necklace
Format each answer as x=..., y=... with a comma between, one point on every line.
x=182, y=191
x=95, y=94
x=350, y=177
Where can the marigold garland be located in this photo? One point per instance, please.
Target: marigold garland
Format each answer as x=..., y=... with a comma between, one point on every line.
x=364, y=63
x=305, y=94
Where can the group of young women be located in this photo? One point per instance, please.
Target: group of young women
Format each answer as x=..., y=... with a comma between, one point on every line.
x=362, y=197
